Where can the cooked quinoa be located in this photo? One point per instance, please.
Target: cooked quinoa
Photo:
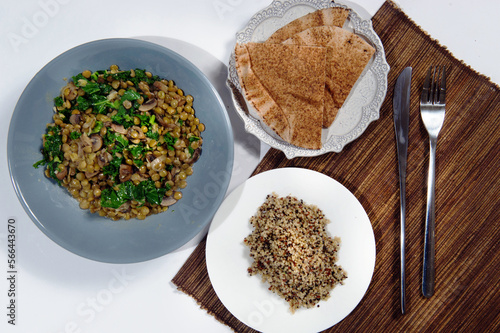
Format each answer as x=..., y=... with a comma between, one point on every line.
x=293, y=252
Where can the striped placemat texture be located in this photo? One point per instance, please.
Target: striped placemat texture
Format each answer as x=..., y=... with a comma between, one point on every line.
x=467, y=296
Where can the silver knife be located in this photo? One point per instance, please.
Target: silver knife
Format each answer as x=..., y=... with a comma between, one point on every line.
x=401, y=106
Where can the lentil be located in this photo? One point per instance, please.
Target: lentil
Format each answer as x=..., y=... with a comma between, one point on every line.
x=116, y=140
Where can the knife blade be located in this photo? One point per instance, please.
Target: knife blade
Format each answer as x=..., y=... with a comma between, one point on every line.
x=401, y=106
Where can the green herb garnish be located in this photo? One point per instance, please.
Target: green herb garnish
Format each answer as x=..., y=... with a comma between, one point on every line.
x=145, y=191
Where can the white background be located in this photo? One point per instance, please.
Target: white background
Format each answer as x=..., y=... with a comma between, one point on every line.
x=58, y=291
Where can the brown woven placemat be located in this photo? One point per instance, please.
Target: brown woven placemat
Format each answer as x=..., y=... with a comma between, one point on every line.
x=467, y=296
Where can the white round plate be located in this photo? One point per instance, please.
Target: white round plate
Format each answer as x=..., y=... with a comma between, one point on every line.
x=361, y=107
x=247, y=297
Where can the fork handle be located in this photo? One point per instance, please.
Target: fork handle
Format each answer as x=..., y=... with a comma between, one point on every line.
x=429, y=241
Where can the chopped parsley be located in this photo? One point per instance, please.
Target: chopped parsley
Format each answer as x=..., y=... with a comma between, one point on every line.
x=169, y=141
x=138, y=151
x=51, y=151
x=82, y=103
x=58, y=101
x=75, y=135
x=145, y=191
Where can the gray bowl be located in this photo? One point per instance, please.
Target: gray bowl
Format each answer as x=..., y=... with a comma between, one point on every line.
x=58, y=215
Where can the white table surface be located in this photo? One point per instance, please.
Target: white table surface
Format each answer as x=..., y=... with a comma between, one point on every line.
x=58, y=291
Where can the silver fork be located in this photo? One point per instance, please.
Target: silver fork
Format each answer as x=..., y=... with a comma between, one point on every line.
x=432, y=110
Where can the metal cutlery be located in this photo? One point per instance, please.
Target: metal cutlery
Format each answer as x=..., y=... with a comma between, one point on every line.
x=432, y=112
x=401, y=106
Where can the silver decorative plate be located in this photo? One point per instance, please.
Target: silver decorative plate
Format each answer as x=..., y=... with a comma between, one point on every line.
x=360, y=108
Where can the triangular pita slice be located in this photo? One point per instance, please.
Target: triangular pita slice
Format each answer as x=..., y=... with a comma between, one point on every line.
x=334, y=16
x=347, y=56
x=285, y=84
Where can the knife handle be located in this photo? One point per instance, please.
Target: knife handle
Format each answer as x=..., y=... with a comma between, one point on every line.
x=402, y=191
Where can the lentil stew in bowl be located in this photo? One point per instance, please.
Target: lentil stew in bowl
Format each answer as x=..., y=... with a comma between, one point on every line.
x=57, y=214
x=122, y=142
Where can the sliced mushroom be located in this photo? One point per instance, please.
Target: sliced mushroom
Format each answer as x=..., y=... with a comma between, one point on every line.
x=161, y=86
x=144, y=86
x=175, y=171
x=196, y=155
x=61, y=174
x=75, y=119
x=139, y=177
x=96, y=142
x=150, y=157
x=148, y=105
x=89, y=175
x=168, y=201
x=80, y=148
x=118, y=129
x=82, y=142
x=160, y=120
x=72, y=91
x=89, y=124
x=135, y=129
x=85, y=140
x=125, y=172
x=125, y=208
x=155, y=165
x=103, y=158
x=127, y=104
x=112, y=95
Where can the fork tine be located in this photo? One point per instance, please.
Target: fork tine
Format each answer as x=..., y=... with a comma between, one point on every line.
x=434, y=85
x=426, y=88
x=442, y=92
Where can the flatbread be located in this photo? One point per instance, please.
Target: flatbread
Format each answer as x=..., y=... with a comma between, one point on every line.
x=347, y=56
x=333, y=16
x=285, y=84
